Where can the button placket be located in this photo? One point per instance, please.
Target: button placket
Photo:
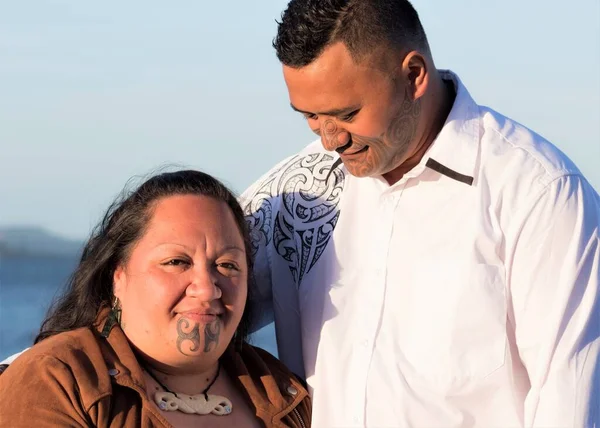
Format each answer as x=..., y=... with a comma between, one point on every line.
x=371, y=295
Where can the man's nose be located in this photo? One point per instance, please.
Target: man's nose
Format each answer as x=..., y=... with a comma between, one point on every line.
x=332, y=136
x=204, y=284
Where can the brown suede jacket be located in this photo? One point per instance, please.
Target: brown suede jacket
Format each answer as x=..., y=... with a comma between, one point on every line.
x=81, y=379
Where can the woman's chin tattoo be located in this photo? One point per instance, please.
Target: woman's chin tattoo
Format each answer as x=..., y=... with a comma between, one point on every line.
x=188, y=338
x=212, y=332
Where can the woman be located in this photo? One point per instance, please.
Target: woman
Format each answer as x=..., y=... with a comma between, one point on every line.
x=151, y=329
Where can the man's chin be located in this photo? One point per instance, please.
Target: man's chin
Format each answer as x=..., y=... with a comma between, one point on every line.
x=361, y=171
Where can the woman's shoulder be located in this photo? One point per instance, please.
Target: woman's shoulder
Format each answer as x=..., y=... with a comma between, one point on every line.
x=261, y=364
x=64, y=357
x=276, y=367
x=66, y=347
x=67, y=361
x=277, y=380
x=62, y=373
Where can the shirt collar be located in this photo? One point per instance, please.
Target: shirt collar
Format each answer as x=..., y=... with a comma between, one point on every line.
x=454, y=151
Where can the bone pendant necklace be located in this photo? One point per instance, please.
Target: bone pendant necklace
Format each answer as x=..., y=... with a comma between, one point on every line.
x=200, y=404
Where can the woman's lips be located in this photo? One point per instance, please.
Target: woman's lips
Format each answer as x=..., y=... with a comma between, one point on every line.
x=201, y=317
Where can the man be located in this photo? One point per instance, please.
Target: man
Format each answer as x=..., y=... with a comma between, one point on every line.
x=429, y=262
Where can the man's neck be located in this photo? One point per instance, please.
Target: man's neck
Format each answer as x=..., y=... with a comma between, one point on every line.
x=442, y=101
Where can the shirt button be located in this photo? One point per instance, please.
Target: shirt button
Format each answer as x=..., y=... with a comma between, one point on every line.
x=291, y=390
x=113, y=372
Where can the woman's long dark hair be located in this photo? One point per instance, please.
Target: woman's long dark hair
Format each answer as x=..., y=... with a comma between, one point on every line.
x=90, y=288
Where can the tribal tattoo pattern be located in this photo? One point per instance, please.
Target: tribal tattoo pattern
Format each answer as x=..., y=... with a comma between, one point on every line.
x=305, y=193
x=188, y=336
x=212, y=332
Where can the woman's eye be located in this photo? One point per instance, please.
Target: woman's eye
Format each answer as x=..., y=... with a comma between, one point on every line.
x=176, y=262
x=228, y=266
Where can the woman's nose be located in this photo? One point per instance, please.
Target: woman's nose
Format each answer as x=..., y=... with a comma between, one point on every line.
x=204, y=284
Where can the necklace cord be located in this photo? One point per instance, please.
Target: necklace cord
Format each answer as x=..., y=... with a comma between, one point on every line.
x=205, y=392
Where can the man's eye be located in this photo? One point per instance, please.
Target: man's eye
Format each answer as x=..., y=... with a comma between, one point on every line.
x=310, y=116
x=348, y=117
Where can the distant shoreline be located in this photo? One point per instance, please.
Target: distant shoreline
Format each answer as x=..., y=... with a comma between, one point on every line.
x=16, y=254
x=35, y=242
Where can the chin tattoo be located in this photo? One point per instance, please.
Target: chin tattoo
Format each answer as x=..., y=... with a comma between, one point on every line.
x=212, y=331
x=188, y=340
x=189, y=336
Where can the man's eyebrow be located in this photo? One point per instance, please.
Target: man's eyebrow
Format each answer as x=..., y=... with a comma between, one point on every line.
x=333, y=112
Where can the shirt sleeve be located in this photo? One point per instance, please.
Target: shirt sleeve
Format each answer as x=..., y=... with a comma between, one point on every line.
x=40, y=392
x=260, y=203
x=554, y=285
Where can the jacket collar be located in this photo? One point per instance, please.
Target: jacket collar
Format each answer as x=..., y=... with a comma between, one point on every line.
x=270, y=387
x=120, y=360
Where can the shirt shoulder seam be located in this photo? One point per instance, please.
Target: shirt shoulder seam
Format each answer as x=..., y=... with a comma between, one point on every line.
x=549, y=176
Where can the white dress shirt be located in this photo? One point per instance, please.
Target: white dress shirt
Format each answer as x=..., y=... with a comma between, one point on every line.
x=464, y=295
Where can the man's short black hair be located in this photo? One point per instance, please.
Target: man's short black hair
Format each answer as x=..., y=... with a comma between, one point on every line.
x=307, y=27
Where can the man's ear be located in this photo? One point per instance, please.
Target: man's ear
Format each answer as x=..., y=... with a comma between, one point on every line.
x=119, y=281
x=416, y=74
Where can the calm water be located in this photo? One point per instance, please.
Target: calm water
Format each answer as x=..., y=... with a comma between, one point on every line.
x=27, y=287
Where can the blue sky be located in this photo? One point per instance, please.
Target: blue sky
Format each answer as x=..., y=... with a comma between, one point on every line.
x=93, y=93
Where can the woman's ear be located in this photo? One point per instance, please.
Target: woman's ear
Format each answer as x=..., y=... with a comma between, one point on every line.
x=119, y=282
